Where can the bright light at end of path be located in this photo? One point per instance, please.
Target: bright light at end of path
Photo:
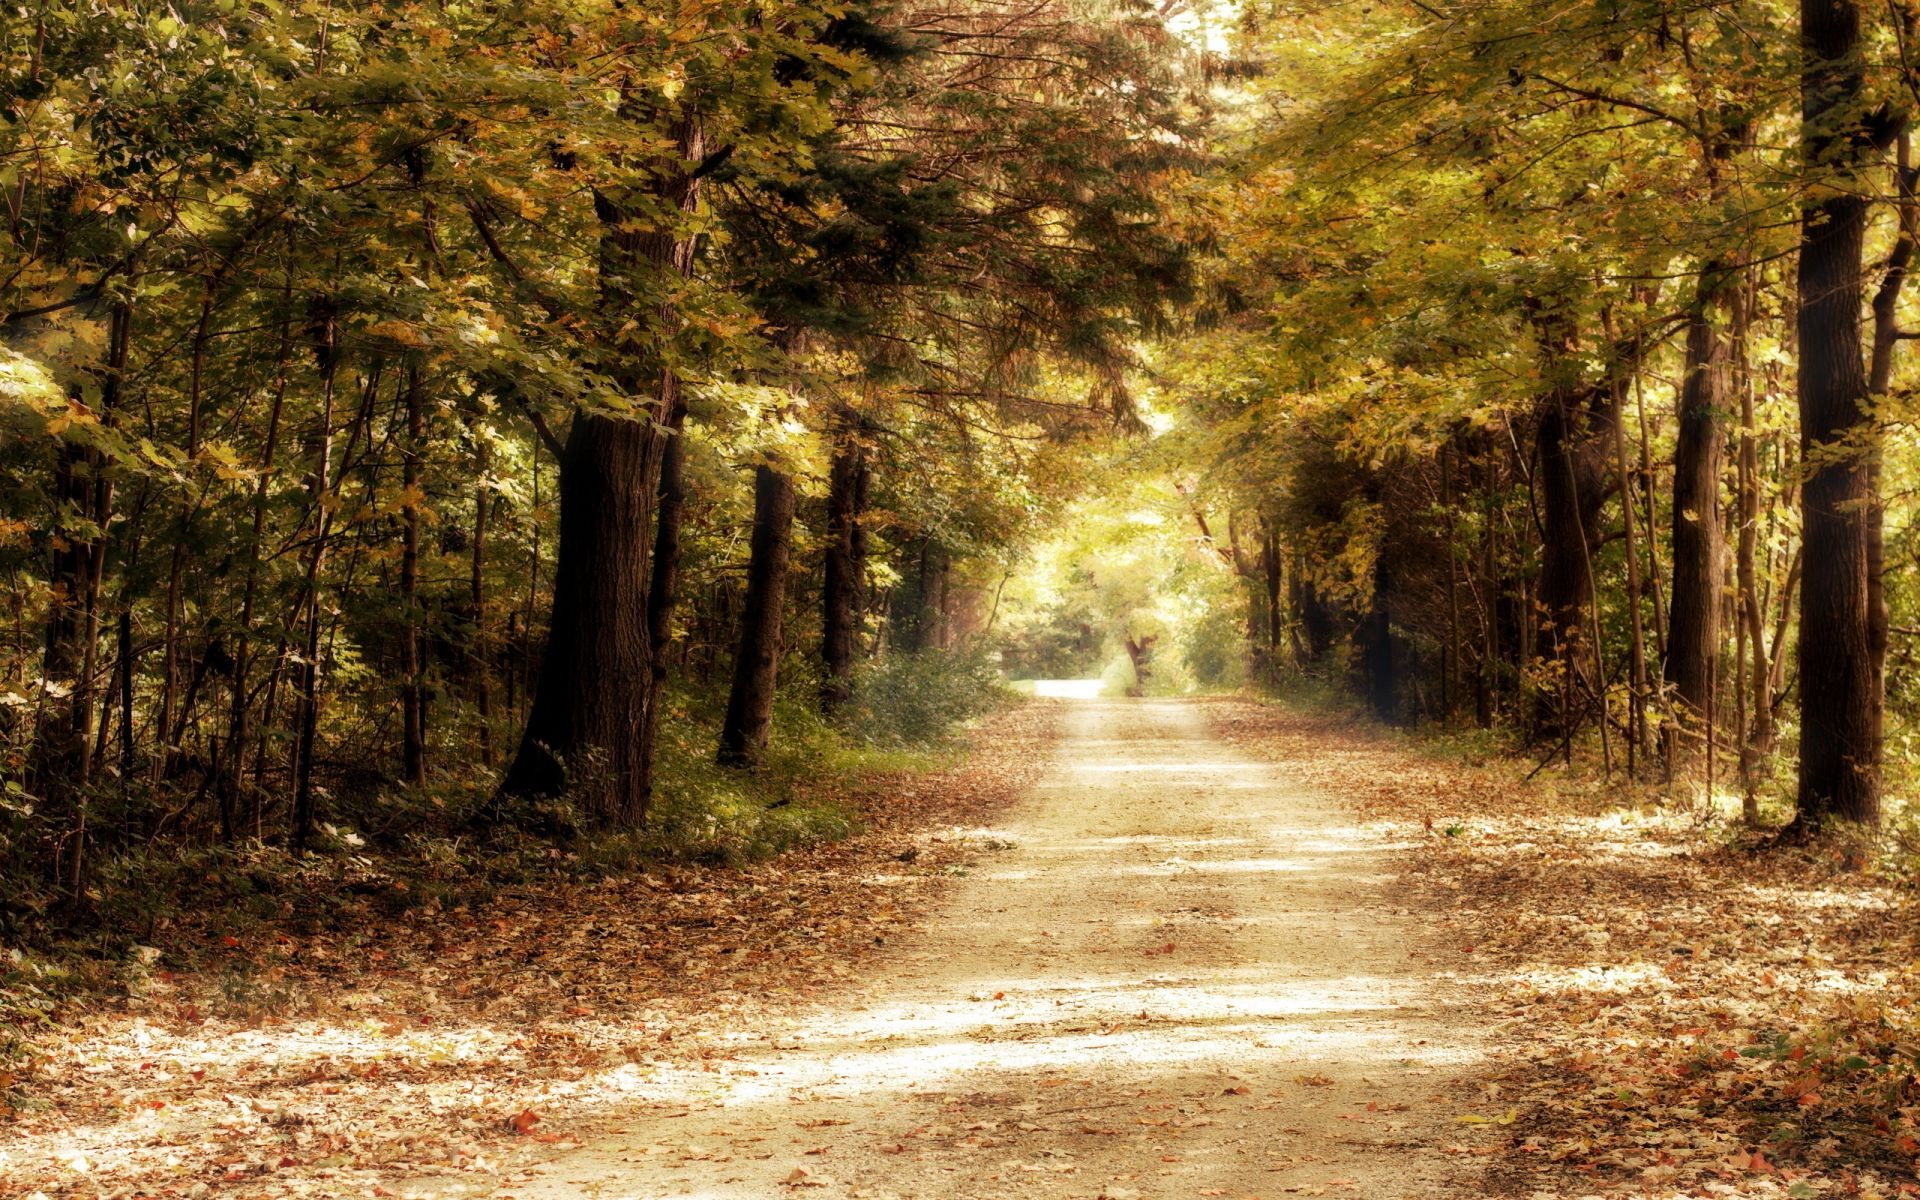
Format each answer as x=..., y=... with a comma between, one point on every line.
x=1068, y=689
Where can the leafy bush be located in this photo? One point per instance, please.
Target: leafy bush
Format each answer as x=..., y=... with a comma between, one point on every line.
x=918, y=700
x=1215, y=650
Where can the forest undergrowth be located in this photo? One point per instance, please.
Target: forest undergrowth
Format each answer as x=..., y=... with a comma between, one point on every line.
x=1681, y=1007
x=476, y=1034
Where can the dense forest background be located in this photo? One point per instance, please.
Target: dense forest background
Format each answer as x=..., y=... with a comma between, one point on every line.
x=434, y=428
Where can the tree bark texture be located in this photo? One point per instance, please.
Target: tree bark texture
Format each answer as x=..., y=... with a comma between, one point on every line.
x=756, y=663
x=841, y=586
x=586, y=728
x=1693, y=623
x=1575, y=448
x=1839, y=673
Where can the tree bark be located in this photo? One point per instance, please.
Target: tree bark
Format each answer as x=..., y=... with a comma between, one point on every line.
x=840, y=588
x=1693, y=622
x=1377, y=645
x=1575, y=438
x=307, y=679
x=480, y=647
x=1636, y=621
x=663, y=589
x=413, y=692
x=918, y=601
x=586, y=727
x=756, y=663
x=1839, y=673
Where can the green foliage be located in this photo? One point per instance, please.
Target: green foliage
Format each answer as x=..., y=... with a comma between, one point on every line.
x=919, y=700
x=1215, y=650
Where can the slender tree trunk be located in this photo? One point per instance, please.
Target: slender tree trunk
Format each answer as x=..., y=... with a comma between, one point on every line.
x=237, y=731
x=1450, y=657
x=1637, y=646
x=840, y=588
x=1377, y=645
x=858, y=551
x=663, y=589
x=64, y=764
x=743, y=735
x=307, y=671
x=1271, y=564
x=918, y=602
x=1575, y=437
x=413, y=691
x=62, y=749
x=480, y=653
x=1487, y=679
x=1839, y=670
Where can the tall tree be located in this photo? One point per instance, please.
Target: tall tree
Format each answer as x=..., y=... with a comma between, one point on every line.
x=1839, y=658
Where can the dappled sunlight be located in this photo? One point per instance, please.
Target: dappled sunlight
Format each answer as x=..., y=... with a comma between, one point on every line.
x=1131, y=970
x=1129, y=957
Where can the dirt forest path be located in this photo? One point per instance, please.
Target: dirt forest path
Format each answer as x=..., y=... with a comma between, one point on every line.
x=1177, y=975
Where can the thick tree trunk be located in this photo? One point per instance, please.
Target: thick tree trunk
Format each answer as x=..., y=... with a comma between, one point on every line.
x=756, y=663
x=586, y=729
x=1693, y=623
x=589, y=706
x=1839, y=670
x=840, y=589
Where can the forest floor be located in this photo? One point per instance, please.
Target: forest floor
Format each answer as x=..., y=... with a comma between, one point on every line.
x=1130, y=949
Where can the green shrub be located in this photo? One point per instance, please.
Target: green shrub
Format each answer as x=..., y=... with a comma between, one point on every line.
x=918, y=700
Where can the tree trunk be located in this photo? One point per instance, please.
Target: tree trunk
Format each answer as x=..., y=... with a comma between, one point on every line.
x=1636, y=621
x=480, y=648
x=307, y=679
x=589, y=705
x=1839, y=673
x=1316, y=622
x=1693, y=623
x=63, y=763
x=663, y=590
x=840, y=589
x=237, y=723
x=586, y=727
x=918, y=601
x=413, y=692
x=1575, y=438
x=1377, y=645
x=756, y=663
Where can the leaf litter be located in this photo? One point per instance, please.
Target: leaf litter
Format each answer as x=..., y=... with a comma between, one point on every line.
x=1682, y=1008
x=481, y=1040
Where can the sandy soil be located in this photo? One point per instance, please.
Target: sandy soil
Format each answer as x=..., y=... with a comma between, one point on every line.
x=1178, y=974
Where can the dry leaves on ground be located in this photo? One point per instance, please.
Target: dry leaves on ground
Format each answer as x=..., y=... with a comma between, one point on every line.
x=478, y=1040
x=1684, y=1010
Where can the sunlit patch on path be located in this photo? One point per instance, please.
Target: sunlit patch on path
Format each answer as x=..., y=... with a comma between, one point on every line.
x=1068, y=689
x=1181, y=976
